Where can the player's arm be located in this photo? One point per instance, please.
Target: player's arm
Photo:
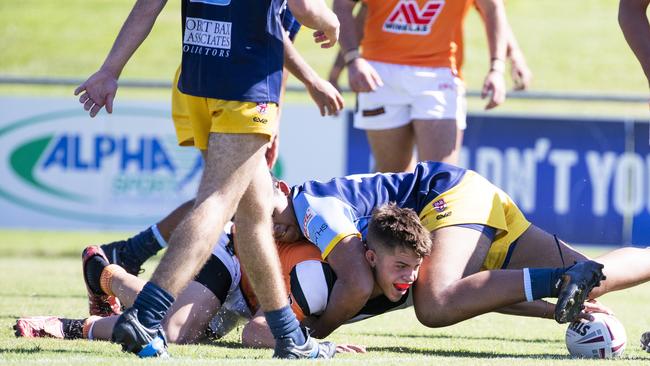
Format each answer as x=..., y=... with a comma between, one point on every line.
x=362, y=76
x=327, y=98
x=519, y=71
x=316, y=15
x=339, y=62
x=100, y=88
x=636, y=29
x=495, y=18
x=352, y=289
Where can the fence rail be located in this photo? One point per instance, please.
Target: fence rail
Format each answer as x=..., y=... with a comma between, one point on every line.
x=524, y=95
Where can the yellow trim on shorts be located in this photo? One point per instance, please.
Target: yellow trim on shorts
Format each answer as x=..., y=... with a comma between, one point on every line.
x=337, y=239
x=474, y=200
x=196, y=117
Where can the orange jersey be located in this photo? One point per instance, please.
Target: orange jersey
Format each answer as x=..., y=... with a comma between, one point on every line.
x=290, y=255
x=413, y=32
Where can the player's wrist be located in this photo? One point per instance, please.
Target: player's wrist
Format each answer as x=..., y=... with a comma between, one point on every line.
x=351, y=55
x=497, y=65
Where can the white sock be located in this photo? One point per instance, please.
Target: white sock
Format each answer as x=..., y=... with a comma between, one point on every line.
x=159, y=238
x=528, y=290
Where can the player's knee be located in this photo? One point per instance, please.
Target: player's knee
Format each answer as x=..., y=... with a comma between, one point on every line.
x=435, y=312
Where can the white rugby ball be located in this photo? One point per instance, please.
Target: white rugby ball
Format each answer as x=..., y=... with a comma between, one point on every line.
x=603, y=337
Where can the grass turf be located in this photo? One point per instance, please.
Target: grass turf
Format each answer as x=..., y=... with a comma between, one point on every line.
x=41, y=276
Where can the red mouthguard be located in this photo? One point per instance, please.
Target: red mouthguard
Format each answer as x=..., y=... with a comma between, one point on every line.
x=402, y=286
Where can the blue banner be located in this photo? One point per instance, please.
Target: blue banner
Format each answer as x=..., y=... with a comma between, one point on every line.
x=586, y=180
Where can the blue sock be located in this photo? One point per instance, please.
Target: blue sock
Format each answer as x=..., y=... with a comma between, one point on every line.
x=152, y=304
x=144, y=245
x=542, y=282
x=283, y=324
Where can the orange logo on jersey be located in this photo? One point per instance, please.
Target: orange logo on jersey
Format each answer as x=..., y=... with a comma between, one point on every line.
x=408, y=18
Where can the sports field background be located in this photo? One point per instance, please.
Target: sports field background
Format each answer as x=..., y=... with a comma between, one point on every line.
x=571, y=46
x=41, y=275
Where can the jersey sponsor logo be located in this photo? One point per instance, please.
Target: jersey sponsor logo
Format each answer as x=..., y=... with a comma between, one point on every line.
x=207, y=37
x=408, y=18
x=440, y=205
x=212, y=2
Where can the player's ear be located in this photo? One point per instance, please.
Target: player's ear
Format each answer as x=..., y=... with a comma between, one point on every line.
x=284, y=187
x=371, y=257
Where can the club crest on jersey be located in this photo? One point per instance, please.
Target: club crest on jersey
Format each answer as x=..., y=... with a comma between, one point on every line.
x=440, y=205
x=262, y=108
x=409, y=18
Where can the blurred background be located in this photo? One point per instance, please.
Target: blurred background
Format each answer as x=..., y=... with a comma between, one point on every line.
x=573, y=151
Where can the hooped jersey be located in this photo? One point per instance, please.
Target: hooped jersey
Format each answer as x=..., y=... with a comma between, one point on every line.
x=328, y=212
x=413, y=32
x=232, y=49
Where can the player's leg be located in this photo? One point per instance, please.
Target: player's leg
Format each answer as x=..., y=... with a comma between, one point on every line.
x=438, y=112
x=392, y=148
x=256, y=333
x=624, y=267
x=452, y=287
x=131, y=253
x=438, y=140
x=258, y=255
x=385, y=116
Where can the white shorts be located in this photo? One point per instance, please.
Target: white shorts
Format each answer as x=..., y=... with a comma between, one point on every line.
x=411, y=92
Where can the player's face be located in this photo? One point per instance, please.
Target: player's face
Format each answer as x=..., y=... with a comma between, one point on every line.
x=285, y=225
x=396, y=271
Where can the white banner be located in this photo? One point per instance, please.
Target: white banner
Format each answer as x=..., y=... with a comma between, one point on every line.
x=60, y=169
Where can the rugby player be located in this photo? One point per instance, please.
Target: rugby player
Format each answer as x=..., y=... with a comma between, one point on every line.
x=485, y=254
x=229, y=81
x=220, y=290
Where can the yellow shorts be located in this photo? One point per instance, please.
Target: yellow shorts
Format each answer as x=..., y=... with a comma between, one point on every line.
x=474, y=200
x=196, y=117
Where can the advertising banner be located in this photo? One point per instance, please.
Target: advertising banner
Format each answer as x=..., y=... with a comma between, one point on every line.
x=60, y=169
x=587, y=180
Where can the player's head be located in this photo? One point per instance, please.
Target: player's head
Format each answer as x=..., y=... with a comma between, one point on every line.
x=285, y=226
x=396, y=244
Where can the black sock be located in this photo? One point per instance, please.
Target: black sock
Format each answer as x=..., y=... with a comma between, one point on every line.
x=94, y=267
x=73, y=328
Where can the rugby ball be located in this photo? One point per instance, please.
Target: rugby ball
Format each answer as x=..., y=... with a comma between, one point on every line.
x=603, y=337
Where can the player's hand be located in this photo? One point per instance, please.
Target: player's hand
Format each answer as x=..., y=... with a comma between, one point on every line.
x=494, y=87
x=326, y=96
x=519, y=71
x=328, y=37
x=350, y=348
x=363, y=77
x=98, y=92
x=593, y=306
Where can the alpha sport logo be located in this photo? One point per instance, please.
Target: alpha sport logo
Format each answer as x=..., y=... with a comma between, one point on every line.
x=409, y=18
x=119, y=171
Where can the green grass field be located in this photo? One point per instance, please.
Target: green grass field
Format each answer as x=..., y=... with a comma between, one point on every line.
x=571, y=46
x=41, y=275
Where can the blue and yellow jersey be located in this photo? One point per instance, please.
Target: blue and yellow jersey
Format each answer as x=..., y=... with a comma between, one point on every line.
x=232, y=49
x=441, y=194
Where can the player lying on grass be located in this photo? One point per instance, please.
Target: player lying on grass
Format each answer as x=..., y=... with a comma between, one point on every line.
x=485, y=254
x=396, y=256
